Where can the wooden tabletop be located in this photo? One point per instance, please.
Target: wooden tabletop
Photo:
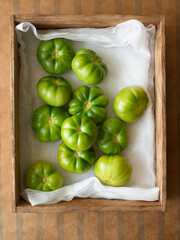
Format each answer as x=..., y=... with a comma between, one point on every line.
x=93, y=226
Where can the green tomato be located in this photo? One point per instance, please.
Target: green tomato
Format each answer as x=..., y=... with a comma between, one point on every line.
x=79, y=132
x=89, y=67
x=43, y=176
x=47, y=122
x=55, y=56
x=113, y=170
x=75, y=161
x=54, y=91
x=112, y=136
x=89, y=102
x=130, y=103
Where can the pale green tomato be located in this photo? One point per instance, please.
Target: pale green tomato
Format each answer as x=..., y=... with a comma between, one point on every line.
x=113, y=170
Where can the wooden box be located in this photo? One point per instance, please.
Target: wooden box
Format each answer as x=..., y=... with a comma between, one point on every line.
x=77, y=204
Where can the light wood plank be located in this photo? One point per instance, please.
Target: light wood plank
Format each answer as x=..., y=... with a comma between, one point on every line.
x=128, y=7
x=67, y=7
x=148, y=7
x=131, y=226
x=151, y=225
x=87, y=7
x=26, y=7
x=50, y=226
x=70, y=222
x=108, y=6
x=90, y=226
x=111, y=226
x=29, y=226
x=46, y=7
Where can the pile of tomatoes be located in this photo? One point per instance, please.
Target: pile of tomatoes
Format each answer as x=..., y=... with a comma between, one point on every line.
x=84, y=121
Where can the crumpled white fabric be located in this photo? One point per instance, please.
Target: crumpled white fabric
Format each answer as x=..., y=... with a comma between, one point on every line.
x=128, y=51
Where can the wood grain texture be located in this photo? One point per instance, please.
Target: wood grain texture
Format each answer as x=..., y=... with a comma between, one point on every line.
x=70, y=222
x=151, y=226
x=160, y=111
x=154, y=225
x=67, y=7
x=50, y=222
x=29, y=226
x=90, y=226
x=111, y=225
x=131, y=222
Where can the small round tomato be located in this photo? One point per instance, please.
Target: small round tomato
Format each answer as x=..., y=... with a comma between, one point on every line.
x=47, y=122
x=90, y=102
x=55, y=56
x=43, y=176
x=113, y=170
x=54, y=91
x=75, y=161
x=112, y=136
x=130, y=103
x=79, y=132
x=89, y=67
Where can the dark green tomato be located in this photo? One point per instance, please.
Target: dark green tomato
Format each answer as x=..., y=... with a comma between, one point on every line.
x=113, y=170
x=130, y=103
x=89, y=102
x=89, y=67
x=43, y=176
x=55, y=56
x=54, y=91
x=112, y=136
x=75, y=161
x=79, y=132
x=47, y=122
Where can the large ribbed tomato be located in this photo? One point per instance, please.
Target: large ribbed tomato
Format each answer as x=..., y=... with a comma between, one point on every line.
x=89, y=102
x=89, y=67
x=75, y=161
x=79, y=132
x=43, y=176
x=55, y=55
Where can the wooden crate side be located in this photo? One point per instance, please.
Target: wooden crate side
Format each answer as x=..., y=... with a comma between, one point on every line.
x=75, y=21
x=14, y=92
x=89, y=204
x=160, y=112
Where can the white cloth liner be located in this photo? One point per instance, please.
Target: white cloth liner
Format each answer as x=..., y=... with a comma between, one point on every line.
x=127, y=49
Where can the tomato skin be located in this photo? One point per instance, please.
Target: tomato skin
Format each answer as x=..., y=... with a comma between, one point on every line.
x=113, y=170
x=89, y=67
x=47, y=122
x=54, y=91
x=89, y=102
x=43, y=176
x=79, y=132
x=55, y=55
x=75, y=161
x=130, y=103
x=113, y=136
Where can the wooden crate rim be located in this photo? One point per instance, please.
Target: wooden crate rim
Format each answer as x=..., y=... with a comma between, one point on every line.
x=81, y=204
